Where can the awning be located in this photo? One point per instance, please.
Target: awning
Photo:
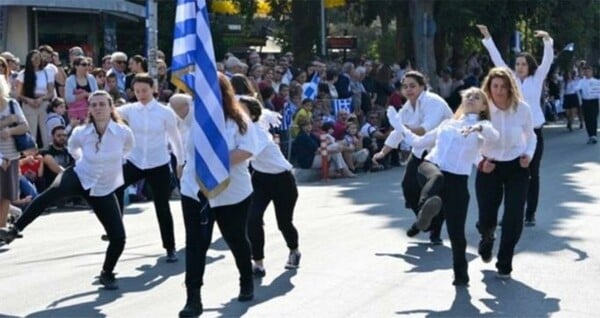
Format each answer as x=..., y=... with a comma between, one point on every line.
x=119, y=8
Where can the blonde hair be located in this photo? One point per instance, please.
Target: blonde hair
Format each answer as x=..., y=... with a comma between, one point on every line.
x=4, y=90
x=484, y=114
x=514, y=95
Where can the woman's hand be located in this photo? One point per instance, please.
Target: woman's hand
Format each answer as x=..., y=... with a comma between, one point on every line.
x=487, y=166
x=470, y=129
x=524, y=161
x=484, y=31
x=378, y=156
x=541, y=34
x=5, y=164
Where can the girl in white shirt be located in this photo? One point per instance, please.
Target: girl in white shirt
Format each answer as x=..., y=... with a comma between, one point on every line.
x=529, y=78
x=504, y=171
x=272, y=180
x=98, y=148
x=229, y=208
x=572, y=99
x=444, y=172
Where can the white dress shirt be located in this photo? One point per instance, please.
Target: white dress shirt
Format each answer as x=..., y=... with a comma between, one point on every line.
x=240, y=184
x=531, y=87
x=590, y=88
x=572, y=87
x=429, y=112
x=269, y=158
x=153, y=126
x=516, y=134
x=99, y=165
x=451, y=150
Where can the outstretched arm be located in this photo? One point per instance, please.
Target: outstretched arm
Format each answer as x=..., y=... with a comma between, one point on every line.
x=488, y=43
x=548, y=58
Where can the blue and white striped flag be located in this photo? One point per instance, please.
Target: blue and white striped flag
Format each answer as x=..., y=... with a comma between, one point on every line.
x=288, y=116
x=342, y=104
x=194, y=71
x=311, y=88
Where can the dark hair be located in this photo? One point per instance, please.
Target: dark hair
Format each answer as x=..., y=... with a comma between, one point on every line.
x=231, y=108
x=242, y=86
x=29, y=77
x=330, y=74
x=55, y=103
x=253, y=105
x=141, y=60
x=98, y=70
x=306, y=101
x=142, y=78
x=59, y=127
x=417, y=76
x=531, y=62
x=112, y=75
x=77, y=61
x=266, y=92
x=327, y=125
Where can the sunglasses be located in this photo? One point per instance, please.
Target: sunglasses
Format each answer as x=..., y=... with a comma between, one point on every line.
x=84, y=64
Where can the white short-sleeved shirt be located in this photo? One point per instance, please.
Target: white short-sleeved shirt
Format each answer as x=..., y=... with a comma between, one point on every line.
x=42, y=79
x=269, y=158
x=7, y=146
x=99, y=164
x=240, y=183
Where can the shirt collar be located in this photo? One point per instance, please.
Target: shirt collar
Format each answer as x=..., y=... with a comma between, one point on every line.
x=90, y=129
x=152, y=104
x=495, y=109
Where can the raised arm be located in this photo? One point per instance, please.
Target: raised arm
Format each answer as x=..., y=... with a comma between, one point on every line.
x=489, y=45
x=548, y=57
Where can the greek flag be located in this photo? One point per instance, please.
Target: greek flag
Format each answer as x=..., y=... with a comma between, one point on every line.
x=342, y=104
x=311, y=88
x=288, y=116
x=195, y=72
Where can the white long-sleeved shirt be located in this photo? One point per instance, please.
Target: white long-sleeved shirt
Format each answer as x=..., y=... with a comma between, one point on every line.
x=572, y=87
x=99, y=165
x=517, y=137
x=153, y=126
x=590, y=88
x=451, y=150
x=240, y=184
x=532, y=86
x=430, y=110
x=269, y=158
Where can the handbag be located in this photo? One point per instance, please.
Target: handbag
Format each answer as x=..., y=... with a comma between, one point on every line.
x=25, y=141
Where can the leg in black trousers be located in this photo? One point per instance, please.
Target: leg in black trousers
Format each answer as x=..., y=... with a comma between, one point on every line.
x=284, y=200
x=590, y=116
x=261, y=198
x=410, y=184
x=159, y=181
x=515, y=188
x=131, y=175
x=534, y=179
x=456, y=203
x=489, y=191
x=232, y=221
x=431, y=182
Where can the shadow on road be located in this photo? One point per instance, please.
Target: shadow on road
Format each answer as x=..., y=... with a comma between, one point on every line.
x=425, y=257
x=150, y=277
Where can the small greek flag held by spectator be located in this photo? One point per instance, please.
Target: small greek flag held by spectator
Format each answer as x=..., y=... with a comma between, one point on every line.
x=311, y=88
x=341, y=104
x=288, y=116
x=195, y=71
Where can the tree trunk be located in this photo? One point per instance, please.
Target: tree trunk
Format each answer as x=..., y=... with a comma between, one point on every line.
x=305, y=29
x=423, y=34
x=402, y=32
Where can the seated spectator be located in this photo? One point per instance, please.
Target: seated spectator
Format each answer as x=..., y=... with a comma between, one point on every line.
x=56, y=157
x=373, y=138
x=339, y=127
x=302, y=114
x=282, y=97
x=334, y=151
x=31, y=167
x=353, y=152
x=56, y=117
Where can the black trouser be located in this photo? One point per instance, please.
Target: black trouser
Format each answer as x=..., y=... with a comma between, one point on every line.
x=509, y=181
x=590, y=116
x=199, y=220
x=533, y=192
x=281, y=189
x=159, y=181
x=106, y=209
x=412, y=192
x=455, y=196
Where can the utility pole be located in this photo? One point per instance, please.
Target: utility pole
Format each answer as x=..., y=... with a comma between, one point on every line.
x=152, y=39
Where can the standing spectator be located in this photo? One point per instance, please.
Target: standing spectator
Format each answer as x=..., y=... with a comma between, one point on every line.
x=12, y=71
x=153, y=126
x=47, y=55
x=106, y=63
x=56, y=117
x=9, y=156
x=137, y=64
x=119, y=65
x=100, y=76
x=165, y=88
x=36, y=88
x=80, y=85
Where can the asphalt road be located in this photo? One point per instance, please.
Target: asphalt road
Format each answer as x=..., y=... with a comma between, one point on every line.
x=356, y=259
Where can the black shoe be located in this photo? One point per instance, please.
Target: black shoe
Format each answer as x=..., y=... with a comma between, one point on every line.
x=108, y=280
x=569, y=127
x=171, y=257
x=104, y=237
x=436, y=240
x=461, y=280
x=246, y=291
x=485, y=249
x=193, y=304
x=8, y=234
x=412, y=231
x=293, y=260
x=502, y=275
x=428, y=211
x=529, y=222
x=258, y=272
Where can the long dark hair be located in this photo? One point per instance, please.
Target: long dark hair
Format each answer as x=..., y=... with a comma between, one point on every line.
x=531, y=62
x=242, y=86
x=29, y=77
x=231, y=108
